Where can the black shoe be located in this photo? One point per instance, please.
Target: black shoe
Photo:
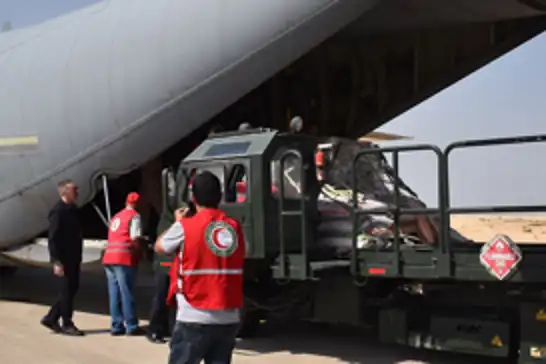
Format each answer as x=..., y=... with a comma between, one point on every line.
x=136, y=332
x=72, y=331
x=117, y=333
x=155, y=338
x=52, y=325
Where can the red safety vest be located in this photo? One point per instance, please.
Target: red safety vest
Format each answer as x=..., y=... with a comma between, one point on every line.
x=120, y=249
x=173, y=281
x=210, y=266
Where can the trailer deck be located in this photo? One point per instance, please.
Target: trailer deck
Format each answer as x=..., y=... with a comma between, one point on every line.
x=444, y=294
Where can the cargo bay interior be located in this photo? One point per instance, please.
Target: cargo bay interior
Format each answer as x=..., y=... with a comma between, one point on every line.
x=352, y=83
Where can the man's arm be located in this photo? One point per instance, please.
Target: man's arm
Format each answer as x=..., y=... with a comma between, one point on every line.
x=54, y=234
x=170, y=240
x=135, y=228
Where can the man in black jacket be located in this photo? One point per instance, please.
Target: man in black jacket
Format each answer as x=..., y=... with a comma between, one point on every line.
x=65, y=244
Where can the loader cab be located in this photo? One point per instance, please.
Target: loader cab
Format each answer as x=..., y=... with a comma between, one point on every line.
x=269, y=185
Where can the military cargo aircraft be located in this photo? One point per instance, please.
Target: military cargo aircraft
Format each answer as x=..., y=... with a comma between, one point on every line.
x=125, y=86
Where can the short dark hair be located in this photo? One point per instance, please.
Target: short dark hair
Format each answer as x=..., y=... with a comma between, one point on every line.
x=61, y=185
x=207, y=190
x=64, y=182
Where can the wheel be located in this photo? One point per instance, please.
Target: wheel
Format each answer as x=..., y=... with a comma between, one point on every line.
x=7, y=271
x=251, y=319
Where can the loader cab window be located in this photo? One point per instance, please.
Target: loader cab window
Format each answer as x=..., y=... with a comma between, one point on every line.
x=189, y=174
x=233, y=178
x=169, y=190
x=225, y=149
x=237, y=184
x=290, y=174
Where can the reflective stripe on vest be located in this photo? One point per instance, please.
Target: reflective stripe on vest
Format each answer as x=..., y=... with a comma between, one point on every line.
x=179, y=280
x=202, y=272
x=119, y=247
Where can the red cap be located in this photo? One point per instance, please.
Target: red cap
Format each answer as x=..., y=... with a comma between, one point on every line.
x=132, y=198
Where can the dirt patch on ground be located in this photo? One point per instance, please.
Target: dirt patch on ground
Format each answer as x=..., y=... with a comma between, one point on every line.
x=522, y=229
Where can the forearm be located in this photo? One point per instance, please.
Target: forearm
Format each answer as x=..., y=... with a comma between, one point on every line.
x=158, y=248
x=172, y=238
x=53, y=247
x=169, y=241
x=54, y=236
x=135, y=228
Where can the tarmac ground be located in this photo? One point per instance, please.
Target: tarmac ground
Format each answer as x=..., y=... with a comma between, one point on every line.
x=24, y=299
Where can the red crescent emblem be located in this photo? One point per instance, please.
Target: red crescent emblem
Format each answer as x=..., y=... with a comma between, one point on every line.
x=216, y=241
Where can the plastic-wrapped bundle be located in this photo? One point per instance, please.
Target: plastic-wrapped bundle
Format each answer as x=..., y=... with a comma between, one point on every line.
x=375, y=188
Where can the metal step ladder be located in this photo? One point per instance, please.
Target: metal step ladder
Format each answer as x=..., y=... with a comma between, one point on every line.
x=292, y=266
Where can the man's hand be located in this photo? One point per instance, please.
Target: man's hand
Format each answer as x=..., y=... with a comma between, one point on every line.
x=179, y=214
x=58, y=270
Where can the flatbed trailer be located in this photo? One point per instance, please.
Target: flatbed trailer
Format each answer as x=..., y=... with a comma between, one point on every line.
x=482, y=298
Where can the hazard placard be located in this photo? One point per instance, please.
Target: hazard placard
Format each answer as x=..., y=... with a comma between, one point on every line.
x=500, y=256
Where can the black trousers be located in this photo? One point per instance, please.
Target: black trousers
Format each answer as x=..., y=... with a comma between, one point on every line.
x=68, y=286
x=160, y=315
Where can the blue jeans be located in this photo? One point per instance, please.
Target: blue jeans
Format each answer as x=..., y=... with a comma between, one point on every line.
x=121, y=285
x=192, y=343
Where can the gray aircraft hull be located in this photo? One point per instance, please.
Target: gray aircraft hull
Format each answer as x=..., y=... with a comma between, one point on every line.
x=107, y=88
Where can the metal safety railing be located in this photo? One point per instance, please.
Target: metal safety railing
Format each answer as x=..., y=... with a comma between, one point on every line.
x=486, y=209
x=444, y=209
x=301, y=212
x=396, y=210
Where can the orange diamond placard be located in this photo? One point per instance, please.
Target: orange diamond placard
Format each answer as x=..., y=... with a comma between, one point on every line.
x=500, y=256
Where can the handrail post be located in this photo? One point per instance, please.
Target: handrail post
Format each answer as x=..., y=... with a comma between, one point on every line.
x=397, y=211
x=444, y=201
x=396, y=166
x=303, y=214
x=106, y=197
x=354, y=216
x=282, y=250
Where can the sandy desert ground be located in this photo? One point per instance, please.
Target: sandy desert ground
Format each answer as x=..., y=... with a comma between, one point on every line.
x=521, y=229
x=24, y=299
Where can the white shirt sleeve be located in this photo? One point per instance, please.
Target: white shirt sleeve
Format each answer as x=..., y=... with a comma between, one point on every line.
x=135, y=228
x=173, y=238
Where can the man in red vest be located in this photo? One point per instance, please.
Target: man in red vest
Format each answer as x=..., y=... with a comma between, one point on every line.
x=120, y=263
x=210, y=255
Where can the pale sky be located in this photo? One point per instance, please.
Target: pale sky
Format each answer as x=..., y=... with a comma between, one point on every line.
x=505, y=98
